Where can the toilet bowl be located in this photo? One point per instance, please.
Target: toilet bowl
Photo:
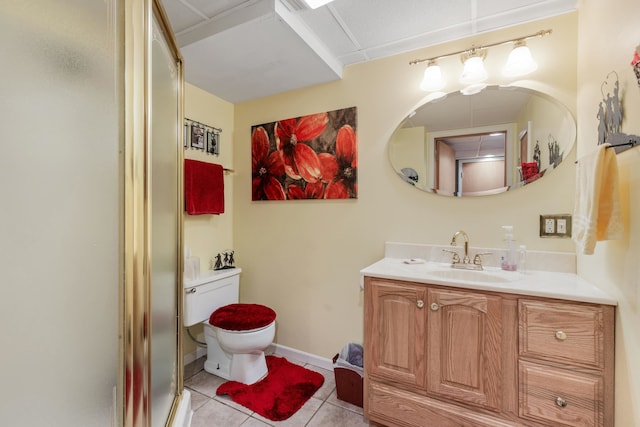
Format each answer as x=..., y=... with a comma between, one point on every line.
x=244, y=331
x=236, y=334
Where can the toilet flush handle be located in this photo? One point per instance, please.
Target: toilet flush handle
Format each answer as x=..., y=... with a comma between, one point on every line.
x=191, y=291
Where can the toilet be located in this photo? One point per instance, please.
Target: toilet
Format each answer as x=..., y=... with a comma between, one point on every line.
x=236, y=334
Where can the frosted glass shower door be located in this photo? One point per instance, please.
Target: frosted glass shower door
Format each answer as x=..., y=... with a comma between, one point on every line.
x=60, y=110
x=165, y=156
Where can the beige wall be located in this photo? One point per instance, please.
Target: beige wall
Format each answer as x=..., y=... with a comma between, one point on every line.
x=408, y=151
x=208, y=235
x=303, y=257
x=608, y=33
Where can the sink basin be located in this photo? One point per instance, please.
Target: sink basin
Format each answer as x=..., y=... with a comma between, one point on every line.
x=471, y=276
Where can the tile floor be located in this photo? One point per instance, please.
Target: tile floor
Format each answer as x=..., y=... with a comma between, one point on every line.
x=322, y=410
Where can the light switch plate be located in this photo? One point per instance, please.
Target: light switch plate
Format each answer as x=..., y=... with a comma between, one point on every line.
x=561, y=225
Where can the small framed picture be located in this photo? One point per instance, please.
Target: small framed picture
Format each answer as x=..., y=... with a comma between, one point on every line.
x=209, y=149
x=216, y=143
x=197, y=137
x=213, y=143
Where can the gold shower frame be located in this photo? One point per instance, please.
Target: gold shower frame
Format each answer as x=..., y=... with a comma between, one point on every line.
x=133, y=406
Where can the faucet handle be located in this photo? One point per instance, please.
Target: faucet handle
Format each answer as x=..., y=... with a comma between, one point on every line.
x=456, y=257
x=477, y=259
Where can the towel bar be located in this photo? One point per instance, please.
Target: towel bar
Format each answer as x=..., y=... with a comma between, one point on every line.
x=631, y=142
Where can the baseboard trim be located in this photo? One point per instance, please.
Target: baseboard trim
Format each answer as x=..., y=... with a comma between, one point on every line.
x=195, y=355
x=302, y=356
x=281, y=350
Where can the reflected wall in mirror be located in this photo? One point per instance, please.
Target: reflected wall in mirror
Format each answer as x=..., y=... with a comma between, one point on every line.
x=494, y=141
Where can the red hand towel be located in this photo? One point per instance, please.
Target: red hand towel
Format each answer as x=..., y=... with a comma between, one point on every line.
x=203, y=188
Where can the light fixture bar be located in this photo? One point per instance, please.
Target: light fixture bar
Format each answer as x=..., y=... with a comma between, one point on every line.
x=541, y=33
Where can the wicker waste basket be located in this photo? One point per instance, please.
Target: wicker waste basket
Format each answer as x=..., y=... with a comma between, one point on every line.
x=348, y=370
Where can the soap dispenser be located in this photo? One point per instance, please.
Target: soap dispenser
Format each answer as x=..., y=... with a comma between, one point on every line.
x=509, y=260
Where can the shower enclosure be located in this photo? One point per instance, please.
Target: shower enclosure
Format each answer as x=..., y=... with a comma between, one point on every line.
x=90, y=173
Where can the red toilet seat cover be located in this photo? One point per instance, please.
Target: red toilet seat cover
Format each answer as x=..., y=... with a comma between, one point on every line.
x=242, y=317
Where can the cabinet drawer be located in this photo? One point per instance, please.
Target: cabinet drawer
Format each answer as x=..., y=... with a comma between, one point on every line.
x=562, y=332
x=395, y=407
x=559, y=396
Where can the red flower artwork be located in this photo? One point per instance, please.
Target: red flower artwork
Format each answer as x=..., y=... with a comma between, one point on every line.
x=300, y=161
x=308, y=157
x=341, y=170
x=265, y=168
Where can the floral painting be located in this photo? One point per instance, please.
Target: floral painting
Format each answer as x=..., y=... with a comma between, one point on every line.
x=308, y=157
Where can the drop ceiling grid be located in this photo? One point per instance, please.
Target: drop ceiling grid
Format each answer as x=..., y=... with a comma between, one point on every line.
x=380, y=23
x=212, y=8
x=180, y=16
x=487, y=8
x=373, y=29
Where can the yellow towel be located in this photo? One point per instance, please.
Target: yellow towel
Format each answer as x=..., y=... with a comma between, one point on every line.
x=597, y=215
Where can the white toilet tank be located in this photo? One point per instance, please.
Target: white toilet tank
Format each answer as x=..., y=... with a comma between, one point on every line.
x=214, y=289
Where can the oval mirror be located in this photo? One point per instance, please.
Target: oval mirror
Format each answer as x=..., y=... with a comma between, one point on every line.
x=497, y=140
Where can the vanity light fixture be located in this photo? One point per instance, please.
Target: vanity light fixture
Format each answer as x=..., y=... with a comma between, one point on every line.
x=474, y=71
x=520, y=63
x=433, y=79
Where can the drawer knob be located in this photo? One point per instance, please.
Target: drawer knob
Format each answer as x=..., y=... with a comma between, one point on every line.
x=434, y=306
x=561, y=335
x=420, y=303
x=561, y=402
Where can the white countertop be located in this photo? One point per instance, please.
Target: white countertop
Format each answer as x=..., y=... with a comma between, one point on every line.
x=549, y=284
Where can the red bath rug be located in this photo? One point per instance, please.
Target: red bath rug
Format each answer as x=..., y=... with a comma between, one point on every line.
x=278, y=395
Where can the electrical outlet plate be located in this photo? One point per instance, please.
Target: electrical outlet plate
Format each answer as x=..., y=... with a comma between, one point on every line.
x=549, y=225
x=555, y=225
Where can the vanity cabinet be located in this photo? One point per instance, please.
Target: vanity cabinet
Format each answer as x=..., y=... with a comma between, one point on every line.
x=449, y=356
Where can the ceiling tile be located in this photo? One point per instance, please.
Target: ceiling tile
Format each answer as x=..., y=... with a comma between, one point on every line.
x=378, y=23
x=252, y=60
x=180, y=16
x=213, y=8
x=321, y=21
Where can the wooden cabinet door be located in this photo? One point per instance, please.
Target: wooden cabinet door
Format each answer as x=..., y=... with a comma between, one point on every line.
x=464, y=347
x=394, y=325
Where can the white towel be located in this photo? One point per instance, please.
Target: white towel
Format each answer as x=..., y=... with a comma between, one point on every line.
x=597, y=214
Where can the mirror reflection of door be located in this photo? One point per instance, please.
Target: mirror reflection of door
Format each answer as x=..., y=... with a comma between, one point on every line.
x=524, y=146
x=445, y=169
x=471, y=165
x=479, y=176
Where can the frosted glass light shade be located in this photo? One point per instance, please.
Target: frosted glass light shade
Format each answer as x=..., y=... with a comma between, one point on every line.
x=474, y=71
x=520, y=62
x=433, y=79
